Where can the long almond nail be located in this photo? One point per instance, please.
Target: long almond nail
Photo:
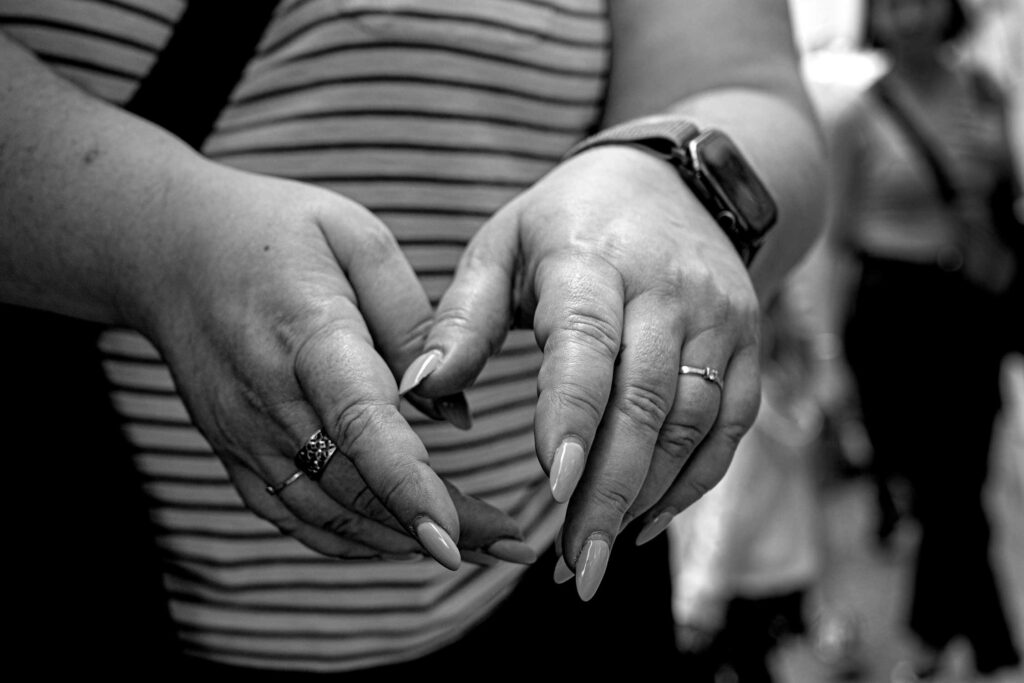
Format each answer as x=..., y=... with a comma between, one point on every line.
x=562, y=571
x=479, y=557
x=594, y=562
x=511, y=550
x=419, y=370
x=566, y=469
x=455, y=409
x=438, y=543
x=654, y=527
x=425, y=406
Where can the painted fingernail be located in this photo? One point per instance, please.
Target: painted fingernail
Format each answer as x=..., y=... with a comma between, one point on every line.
x=438, y=543
x=419, y=370
x=479, y=557
x=511, y=550
x=455, y=409
x=566, y=468
x=402, y=557
x=654, y=527
x=425, y=406
x=562, y=571
x=595, y=560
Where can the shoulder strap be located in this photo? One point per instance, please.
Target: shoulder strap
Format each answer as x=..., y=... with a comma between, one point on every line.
x=882, y=90
x=202, y=62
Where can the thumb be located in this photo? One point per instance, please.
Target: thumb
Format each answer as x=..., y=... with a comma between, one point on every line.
x=473, y=317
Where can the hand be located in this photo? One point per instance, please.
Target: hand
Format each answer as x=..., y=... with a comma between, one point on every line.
x=625, y=277
x=282, y=309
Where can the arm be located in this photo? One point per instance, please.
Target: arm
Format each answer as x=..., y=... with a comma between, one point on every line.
x=249, y=287
x=732, y=65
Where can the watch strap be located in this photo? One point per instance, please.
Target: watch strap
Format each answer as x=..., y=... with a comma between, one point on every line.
x=661, y=135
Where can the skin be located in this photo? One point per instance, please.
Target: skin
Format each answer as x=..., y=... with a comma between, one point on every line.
x=625, y=276
x=249, y=287
x=266, y=297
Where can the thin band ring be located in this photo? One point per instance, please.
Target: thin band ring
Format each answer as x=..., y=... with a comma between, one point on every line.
x=275, y=490
x=707, y=374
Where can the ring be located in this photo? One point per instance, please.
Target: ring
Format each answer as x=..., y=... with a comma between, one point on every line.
x=708, y=374
x=313, y=457
x=274, y=490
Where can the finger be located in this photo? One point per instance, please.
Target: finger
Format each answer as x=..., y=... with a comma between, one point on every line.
x=253, y=490
x=645, y=383
x=489, y=532
x=483, y=528
x=317, y=508
x=709, y=462
x=693, y=412
x=578, y=325
x=474, y=315
x=391, y=299
x=354, y=395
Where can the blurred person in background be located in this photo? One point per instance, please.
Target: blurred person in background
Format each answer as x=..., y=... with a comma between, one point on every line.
x=923, y=222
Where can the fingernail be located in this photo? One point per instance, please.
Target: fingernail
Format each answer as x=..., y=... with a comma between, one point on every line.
x=511, y=550
x=479, y=557
x=425, y=406
x=455, y=409
x=419, y=371
x=402, y=557
x=438, y=543
x=566, y=468
x=562, y=571
x=595, y=560
x=654, y=527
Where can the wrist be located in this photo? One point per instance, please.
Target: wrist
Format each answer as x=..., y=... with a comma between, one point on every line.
x=710, y=165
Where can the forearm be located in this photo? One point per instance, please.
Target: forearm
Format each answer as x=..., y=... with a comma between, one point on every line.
x=732, y=65
x=88, y=194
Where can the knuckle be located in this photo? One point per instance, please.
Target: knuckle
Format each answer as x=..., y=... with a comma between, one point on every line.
x=359, y=421
x=594, y=331
x=698, y=488
x=342, y=524
x=574, y=397
x=614, y=496
x=401, y=482
x=679, y=440
x=375, y=241
x=286, y=524
x=732, y=433
x=643, y=405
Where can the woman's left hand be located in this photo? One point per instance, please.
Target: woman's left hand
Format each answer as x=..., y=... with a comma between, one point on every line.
x=625, y=277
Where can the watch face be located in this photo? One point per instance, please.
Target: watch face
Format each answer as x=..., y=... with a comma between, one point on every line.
x=734, y=182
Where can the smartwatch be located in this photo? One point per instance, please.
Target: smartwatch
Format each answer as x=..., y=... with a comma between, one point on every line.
x=711, y=166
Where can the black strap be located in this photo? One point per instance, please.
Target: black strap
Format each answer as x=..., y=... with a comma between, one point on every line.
x=195, y=73
x=882, y=89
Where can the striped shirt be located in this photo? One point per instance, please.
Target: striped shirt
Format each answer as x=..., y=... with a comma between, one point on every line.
x=433, y=114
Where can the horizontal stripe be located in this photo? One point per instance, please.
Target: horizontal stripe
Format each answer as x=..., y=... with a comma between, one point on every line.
x=476, y=88
x=88, y=39
x=434, y=133
x=438, y=24
x=310, y=152
x=333, y=111
x=432, y=96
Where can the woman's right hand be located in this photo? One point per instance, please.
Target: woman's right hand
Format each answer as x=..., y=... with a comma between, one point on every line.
x=282, y=309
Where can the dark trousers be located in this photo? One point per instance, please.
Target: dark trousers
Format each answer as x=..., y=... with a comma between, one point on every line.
x=543, y=630
x=925, y=348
